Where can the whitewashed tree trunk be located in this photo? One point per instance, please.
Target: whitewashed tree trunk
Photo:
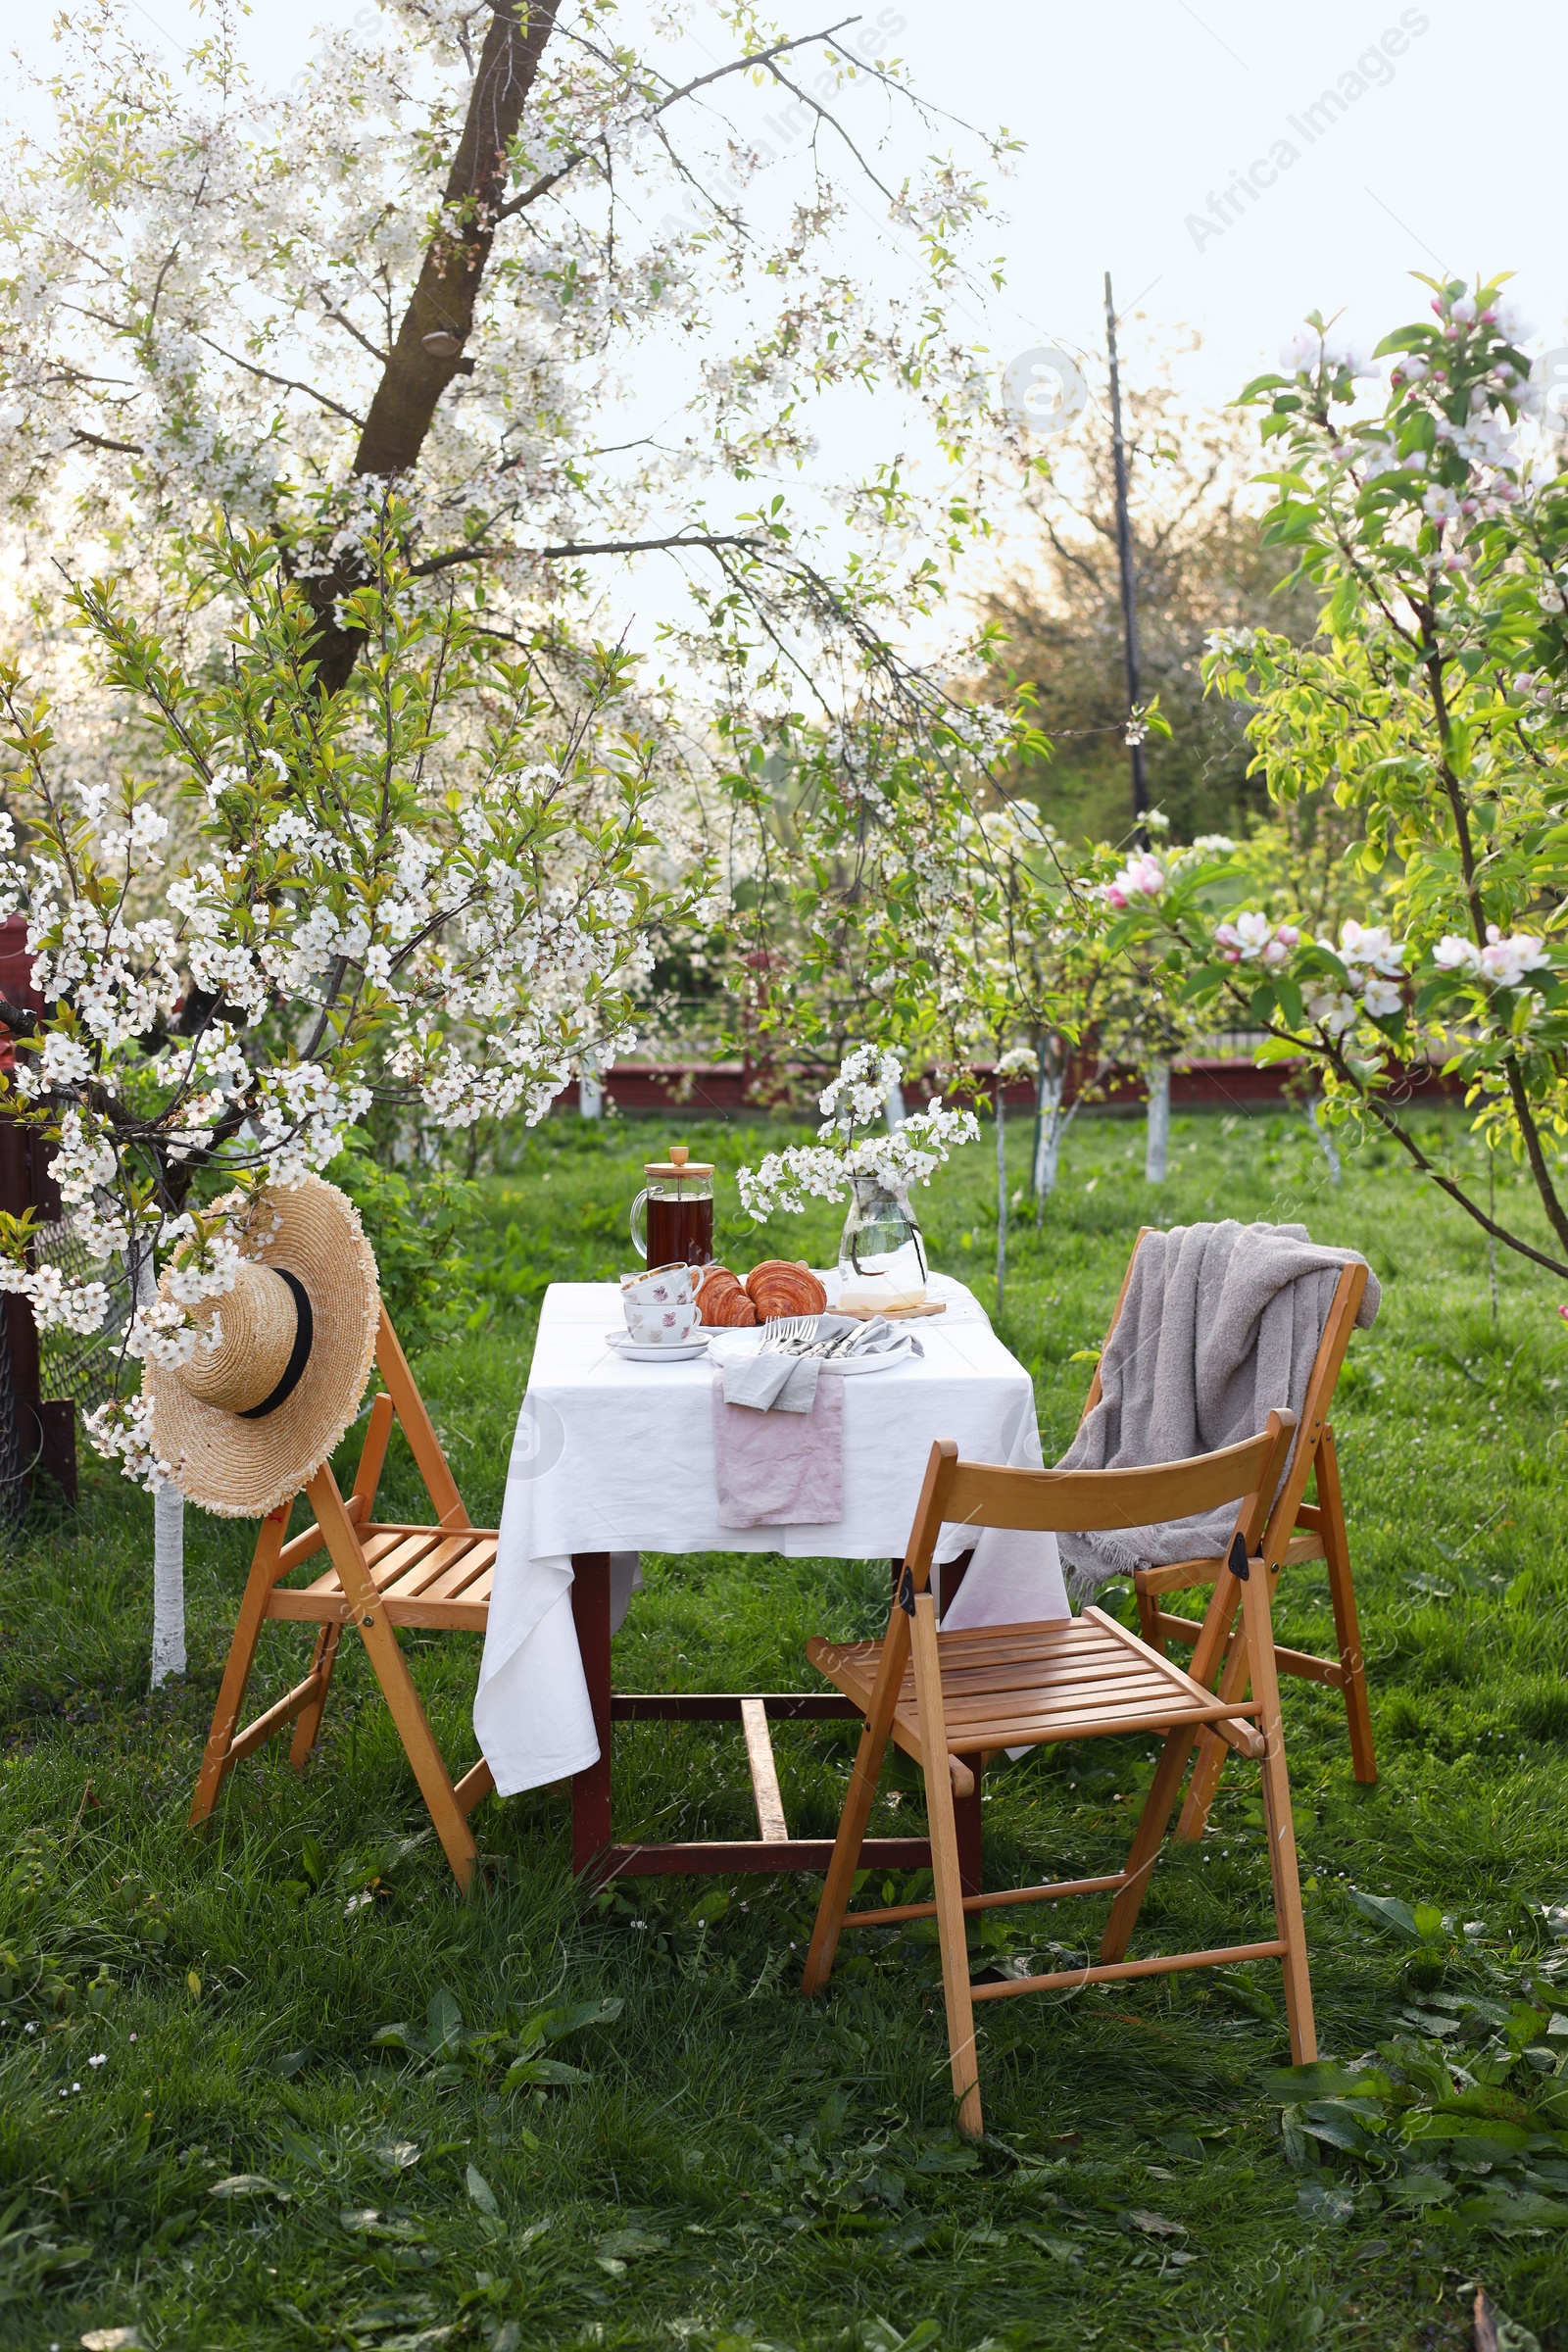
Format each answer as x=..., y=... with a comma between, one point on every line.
x=895, y=1113
x=169, y=1545
x=1049, y=1128
x=590, y=1096
x=1052, y=1121
x=1156, y=1149
x=1326, y=1143
x=169, y=1582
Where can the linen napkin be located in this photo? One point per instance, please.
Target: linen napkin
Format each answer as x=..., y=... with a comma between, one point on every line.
x=779, y=1469
x=781, y=1375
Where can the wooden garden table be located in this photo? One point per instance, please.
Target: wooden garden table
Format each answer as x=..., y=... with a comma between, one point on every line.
x=614, y=1458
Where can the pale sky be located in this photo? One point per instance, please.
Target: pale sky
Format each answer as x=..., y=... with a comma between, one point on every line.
x=1138, y=114
x=1375, y=137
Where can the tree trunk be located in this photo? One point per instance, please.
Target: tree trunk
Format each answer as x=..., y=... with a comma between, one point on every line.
x=169, y=1542
x=1327, y=1144
x=590, y=1096
x=1051, y=1125
x=1156, y=1149
x=894, y=1109
x=169, y=1582
x=414, y=377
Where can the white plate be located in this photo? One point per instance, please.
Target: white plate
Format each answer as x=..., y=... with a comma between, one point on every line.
x=747, y=1342
x=635, y=1352
x=881, y=1362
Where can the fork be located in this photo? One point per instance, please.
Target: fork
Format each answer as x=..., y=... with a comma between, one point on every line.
x=786, y=1329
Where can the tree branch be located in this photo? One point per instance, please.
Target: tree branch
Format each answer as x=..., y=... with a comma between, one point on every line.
x=289, y=383
x=580, y=547
x=1394, y=1127
x=737, y=64
x=330, y=310
x=129, y=449
x=823, y=116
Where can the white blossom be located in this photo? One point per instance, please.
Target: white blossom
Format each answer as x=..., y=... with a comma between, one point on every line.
x=910, y=1155
x=1504, y=963
x=1251, y=938
x=1142, y=877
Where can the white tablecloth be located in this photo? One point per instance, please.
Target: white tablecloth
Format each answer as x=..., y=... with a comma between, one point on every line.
x=619, y=1458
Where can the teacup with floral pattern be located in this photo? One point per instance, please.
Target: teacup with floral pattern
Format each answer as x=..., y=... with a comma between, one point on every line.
x=659, y=1306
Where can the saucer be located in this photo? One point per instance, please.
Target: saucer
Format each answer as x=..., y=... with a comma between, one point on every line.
x=637, y=1352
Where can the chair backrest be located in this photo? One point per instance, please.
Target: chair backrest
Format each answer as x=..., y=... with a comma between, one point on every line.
x=980, y=1495
x=417, y=1428
x=1335, y=1339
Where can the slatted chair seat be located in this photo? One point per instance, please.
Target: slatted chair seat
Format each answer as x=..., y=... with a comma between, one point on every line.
x=944, y=1697
x=383, y=1575
x=426, y=1578
x=1015, y=1686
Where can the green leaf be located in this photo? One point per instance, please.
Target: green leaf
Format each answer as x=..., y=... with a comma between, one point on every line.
x=445, y=2021
x=1492, y=2140
x=1332, y=2120
x=248, y=2184
x=364, y=2221
x=557, y=2021
x=1272, y=382
x=618, y=2244
x=1288, y=2085
x=1422, y=2187
x=1331, y=2206
x=481, y=2193
x=524, y=2072
x=1515, y=2209
x=944, y=2159
x=1395, y=1918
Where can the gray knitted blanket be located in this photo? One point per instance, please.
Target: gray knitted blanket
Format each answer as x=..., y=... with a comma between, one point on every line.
x=1218, y=1329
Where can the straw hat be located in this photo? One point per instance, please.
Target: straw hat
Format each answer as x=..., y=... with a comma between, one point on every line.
x=248, y=1423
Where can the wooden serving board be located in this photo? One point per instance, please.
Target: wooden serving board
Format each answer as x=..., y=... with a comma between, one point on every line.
x=894, y=1314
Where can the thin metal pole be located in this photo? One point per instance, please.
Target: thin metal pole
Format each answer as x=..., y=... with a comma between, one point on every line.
x=1124, y=550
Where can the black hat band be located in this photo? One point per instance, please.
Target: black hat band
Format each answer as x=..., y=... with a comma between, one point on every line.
x=294, y=1369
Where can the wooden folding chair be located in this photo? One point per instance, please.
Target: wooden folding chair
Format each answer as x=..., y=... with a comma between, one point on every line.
x=383, y=1575
x=1317, y=1533
x=1083, y=1677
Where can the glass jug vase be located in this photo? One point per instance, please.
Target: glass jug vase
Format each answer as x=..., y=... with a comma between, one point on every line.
x=881, y=1255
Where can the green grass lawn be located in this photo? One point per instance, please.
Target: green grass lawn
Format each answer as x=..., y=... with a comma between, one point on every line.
x=202, y=2139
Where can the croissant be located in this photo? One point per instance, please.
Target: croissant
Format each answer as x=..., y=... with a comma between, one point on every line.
x=780, y=1288
x=721, y=1301
x=731, y=1310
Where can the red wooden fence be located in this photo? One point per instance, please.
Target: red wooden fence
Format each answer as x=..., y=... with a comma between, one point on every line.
x=726, y=1089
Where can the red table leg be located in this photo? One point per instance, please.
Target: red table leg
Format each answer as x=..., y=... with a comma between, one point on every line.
x=594, y=1854
x=590, y=1789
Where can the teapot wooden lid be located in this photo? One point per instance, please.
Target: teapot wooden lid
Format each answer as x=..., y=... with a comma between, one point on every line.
x=677, y=1164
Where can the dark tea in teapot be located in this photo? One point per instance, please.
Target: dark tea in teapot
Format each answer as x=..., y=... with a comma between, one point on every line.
x=672, y=1216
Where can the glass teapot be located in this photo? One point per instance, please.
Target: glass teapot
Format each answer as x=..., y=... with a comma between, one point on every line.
x=672, y=1216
